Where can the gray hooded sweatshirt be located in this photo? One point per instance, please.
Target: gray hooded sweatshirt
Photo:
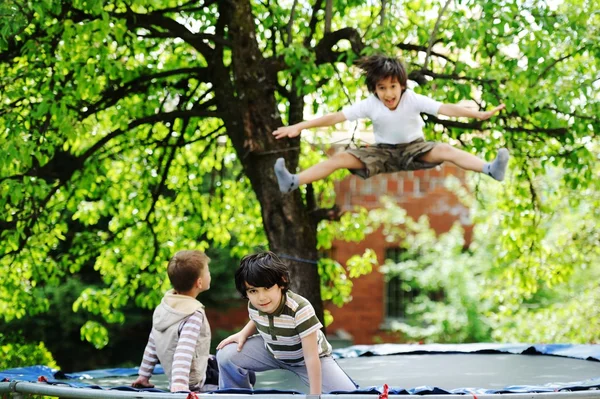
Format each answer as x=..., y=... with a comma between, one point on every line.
x=167, y=322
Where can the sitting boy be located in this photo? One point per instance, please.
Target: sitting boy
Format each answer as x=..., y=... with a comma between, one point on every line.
x=180, y=336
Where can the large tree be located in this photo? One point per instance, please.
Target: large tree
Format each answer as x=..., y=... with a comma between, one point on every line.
x=134, y=128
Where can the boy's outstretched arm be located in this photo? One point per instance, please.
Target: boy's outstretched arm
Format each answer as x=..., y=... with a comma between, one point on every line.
x=294, y=130
x=457, y=110
x=310, y=350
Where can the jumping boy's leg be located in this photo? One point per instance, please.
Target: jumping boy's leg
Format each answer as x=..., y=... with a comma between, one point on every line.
x=497, y=168
x=234, y=366
x=289, y=182
x=467, y=161
x=333, y=377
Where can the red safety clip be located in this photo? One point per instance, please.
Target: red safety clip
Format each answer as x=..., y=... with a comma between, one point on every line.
x=384, y=394
x=192, y=395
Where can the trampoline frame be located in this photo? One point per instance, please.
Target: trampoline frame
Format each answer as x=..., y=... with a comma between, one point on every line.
x=18, y=388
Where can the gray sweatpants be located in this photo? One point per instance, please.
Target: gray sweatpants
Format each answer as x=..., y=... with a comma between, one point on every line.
x=234, y=367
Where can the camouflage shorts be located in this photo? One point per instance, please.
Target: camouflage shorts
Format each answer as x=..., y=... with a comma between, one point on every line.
x=388, y=158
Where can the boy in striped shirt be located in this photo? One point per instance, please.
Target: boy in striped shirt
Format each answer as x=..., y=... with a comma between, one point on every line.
x=180, y=336
x=289, y=333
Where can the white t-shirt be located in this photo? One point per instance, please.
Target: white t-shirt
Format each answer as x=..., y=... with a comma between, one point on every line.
x=402, y=125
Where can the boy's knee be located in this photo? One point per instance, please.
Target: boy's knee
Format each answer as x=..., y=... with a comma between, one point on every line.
x=226, y=353
x=344, y=159
x=444, y=148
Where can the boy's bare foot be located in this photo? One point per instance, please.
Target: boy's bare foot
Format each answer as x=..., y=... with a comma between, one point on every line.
x=287, y=181
x=497, y=168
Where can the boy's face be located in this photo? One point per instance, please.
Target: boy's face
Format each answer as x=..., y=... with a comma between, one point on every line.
x=389, y=91
x=205, y=277
x=266, y=300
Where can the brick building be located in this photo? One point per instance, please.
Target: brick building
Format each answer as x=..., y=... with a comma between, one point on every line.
x=377, y=302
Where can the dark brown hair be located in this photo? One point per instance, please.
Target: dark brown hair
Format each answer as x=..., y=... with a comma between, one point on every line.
x=263, y=269
x=185, y=268
x=378, y=67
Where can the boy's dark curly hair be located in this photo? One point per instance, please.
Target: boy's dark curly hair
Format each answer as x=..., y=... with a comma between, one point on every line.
x=379, y=67
x=263, y=269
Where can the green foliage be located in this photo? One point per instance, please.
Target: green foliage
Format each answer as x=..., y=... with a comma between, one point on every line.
x=545, y=276
x=118, y=148
x=530, y=273
x=24, y=354
x=448, y=306
x=336, y=283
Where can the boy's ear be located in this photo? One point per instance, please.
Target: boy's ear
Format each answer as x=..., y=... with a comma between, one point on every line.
x=198, y=282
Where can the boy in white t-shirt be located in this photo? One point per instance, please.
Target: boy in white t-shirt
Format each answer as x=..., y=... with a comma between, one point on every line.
x=398, y=129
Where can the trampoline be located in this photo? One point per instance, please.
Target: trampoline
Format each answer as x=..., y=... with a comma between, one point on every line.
x=480, y=370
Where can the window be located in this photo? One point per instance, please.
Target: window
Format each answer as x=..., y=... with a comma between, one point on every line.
x=398, y=294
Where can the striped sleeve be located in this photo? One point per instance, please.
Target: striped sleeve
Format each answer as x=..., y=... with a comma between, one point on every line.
x=184, y=353
x=149, y=359
x=306, y=320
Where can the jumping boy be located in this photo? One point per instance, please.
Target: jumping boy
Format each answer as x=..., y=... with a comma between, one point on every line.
x=180, y=336
x=398, y=128
x=289, y=333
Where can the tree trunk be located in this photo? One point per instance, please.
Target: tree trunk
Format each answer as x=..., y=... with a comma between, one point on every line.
x=252, y=119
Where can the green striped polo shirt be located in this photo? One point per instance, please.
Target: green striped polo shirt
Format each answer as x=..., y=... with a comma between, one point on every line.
x=284, y=329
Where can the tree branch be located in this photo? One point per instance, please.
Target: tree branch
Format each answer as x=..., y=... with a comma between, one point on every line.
x=414, y=47
x=167, y=167
x=382, y=13
x=557, y=131
x=434, y=33
x=555, y=62
x=186, y=36
x=291, y=23
x=138, y=85
x=333, y=213
x=324, y=49
x=185, y=7
x=135, y=20
x=312, y=24
x=414, y=75
x=328, y=15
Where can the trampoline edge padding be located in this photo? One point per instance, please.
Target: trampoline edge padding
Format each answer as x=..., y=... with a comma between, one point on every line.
x=30, y=388
x=42, y=380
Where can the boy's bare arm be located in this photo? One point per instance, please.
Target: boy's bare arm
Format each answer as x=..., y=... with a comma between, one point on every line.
x=240, y=337
x=310, y=350
x=294, y=130
x=457, y=110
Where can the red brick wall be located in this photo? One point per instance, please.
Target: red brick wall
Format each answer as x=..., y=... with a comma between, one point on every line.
x=420, y=192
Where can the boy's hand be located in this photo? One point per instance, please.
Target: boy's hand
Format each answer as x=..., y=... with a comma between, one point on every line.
x=286, y=131
x=483, y=115
x=237, y=337
x=142, y=382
